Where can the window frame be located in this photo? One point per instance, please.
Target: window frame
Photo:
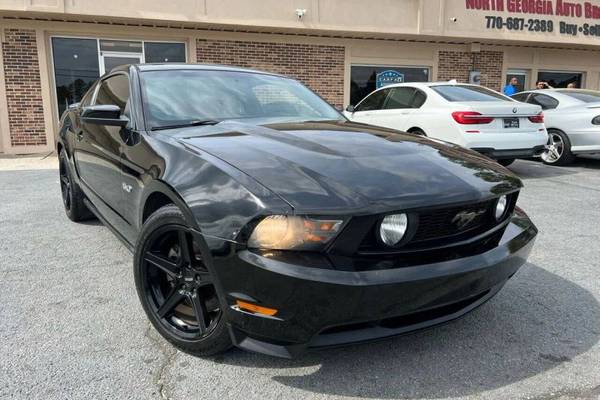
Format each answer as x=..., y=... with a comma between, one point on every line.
x=54, y=98
x=132, y=113
x=428, y=67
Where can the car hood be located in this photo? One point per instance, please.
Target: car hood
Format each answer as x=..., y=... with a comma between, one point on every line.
x=343, y=166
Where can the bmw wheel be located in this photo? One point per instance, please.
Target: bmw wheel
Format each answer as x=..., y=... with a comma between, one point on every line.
x=558, y=150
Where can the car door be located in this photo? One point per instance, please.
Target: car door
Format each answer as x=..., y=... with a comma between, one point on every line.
x=98, y=152
x=373, y=102
x=396, y=110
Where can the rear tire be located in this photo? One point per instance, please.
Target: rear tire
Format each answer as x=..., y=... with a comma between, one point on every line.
x=71, y=193
x=418, y=132
x=176, y=288
x=559, y=149
x=506, y=161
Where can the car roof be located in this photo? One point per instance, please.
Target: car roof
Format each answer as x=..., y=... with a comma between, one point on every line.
x=429, y=84
x=188, y=66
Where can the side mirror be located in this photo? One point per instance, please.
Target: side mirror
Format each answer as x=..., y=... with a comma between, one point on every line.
x=350, y=108
x=106, y=114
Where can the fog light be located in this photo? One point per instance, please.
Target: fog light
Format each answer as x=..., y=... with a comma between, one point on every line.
x=392, y=229
x=501, y=207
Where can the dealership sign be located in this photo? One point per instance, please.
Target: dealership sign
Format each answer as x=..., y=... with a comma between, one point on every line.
x=539, y=16
x=388, y=77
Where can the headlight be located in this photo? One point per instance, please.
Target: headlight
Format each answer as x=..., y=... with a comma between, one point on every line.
x=392, y=228
x=500, y=207
x=596, y=120
x=282, y=232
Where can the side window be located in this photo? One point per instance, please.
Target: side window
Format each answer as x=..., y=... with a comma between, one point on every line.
x=400, y=97
x=522, y=97
x=115, y=90
x=419, y=99
x=546, y=102
x=87, y=98
x=374, y=101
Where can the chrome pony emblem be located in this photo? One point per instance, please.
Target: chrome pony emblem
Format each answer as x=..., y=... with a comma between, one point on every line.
x=465, y=218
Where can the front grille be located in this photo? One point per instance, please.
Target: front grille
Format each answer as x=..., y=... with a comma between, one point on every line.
x=442, y=223
x=434, y=227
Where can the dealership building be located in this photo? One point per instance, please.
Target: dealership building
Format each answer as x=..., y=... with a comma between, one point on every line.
x=52, y=50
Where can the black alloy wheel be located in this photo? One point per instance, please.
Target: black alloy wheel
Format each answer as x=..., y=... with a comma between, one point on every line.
x=176, y=288
x=72, y=196
x=65, y=183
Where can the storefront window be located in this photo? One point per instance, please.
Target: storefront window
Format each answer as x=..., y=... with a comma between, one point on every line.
x=561, y=79
x=365, y=79
x=75, y=69
x=157, y=52
x=79, y=62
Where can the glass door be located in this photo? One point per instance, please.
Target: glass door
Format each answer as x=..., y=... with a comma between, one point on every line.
x=522, y=78
x=110, y=60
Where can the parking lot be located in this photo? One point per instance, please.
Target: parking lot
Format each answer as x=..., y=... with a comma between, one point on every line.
x=72, y=327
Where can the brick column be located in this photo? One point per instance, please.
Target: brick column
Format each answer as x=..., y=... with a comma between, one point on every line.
x=458, y=64
x=320, y=67
x=23, y=88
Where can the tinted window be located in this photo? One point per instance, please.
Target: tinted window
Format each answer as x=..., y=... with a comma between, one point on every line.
x=546, y=102
x=114, y=90
x=180, y=96
x=520, y=97
x=401, y=97
x=363, y=79
x=419, y=99
x=75, y=69
x=467, y=93
x=585, y=96
x=373, y=102
x=164, y=52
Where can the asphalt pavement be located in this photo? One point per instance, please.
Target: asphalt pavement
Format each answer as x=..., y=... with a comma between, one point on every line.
x=71, y=326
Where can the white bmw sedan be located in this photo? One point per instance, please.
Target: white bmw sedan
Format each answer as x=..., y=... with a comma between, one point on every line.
x=573, y=121
x=468, y=115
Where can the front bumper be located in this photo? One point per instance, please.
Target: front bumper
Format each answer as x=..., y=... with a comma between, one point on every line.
x=323, y=306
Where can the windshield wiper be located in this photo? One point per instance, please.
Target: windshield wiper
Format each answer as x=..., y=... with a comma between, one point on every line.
x=199, y=122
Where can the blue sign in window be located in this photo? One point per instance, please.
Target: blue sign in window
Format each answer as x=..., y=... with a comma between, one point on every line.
x=388, y=77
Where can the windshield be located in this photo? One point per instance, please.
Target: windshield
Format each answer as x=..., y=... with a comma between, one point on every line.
x=468, y=93
x=180, y=97
x=587, y=96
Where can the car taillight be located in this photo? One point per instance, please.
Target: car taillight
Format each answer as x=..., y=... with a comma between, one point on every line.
x=537, y=119
x=470, y=118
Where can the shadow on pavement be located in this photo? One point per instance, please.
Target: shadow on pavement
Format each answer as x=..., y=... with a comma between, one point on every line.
x=537, y=322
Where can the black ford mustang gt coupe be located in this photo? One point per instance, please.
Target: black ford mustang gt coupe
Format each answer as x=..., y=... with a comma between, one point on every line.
x=260, y=217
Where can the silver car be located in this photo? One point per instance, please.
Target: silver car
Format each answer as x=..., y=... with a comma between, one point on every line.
x=572, y=118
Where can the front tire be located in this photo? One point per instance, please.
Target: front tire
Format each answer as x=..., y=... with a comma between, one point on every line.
x=175, y=286
x=558, y=151
x=72, y=195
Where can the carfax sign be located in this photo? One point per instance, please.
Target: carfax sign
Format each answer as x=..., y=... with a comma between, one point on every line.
x=544, y=16
x=388, y=77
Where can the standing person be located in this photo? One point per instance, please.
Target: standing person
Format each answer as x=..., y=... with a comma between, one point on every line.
x=512, y=87
x=542, y=85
